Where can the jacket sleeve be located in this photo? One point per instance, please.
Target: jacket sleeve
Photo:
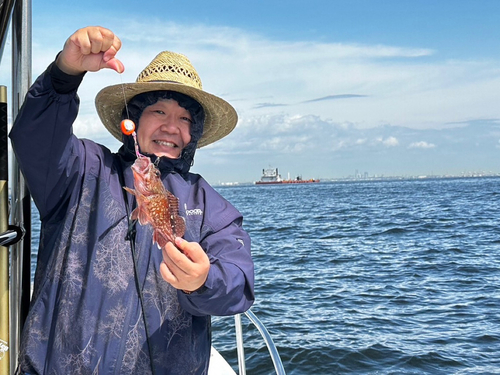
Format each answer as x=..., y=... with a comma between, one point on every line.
x=229, y=288
x=44, y=144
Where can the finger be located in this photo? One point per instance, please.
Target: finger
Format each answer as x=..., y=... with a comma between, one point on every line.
x=109, y=41
x=104, y=41
x=174, y=252
x=109, y=59
x=192, y=251
x=111, y=45
x=88, y=39
x=101, y=39
x=166, y=274
x=175, y=260
x=181, y=244
x=81, y=40
x=96, y=40
x=116, y=65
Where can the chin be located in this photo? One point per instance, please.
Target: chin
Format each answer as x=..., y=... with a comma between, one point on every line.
x=174, y=154
x=168, y=155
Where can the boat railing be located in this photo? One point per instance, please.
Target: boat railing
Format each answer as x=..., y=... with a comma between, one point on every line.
x=273, y=351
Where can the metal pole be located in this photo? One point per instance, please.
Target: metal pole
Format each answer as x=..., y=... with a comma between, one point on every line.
x=21, y=252
x=273, y=351
x=4, y=224
x=5, y=13
x=239, y=345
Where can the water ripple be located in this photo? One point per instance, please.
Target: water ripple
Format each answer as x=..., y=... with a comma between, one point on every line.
x=390, y=277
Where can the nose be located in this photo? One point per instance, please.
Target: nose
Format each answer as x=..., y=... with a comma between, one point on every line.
x=169, y=125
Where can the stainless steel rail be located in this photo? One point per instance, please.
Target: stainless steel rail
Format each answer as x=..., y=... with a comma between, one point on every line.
x=271, y=347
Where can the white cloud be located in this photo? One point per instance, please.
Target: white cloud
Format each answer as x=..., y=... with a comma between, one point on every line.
x=397, y=86
x=391, y=141
x=421, y=144
x=388, y=142
x=246, y=67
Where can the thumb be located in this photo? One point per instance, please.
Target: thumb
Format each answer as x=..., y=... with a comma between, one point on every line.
x=115, y=64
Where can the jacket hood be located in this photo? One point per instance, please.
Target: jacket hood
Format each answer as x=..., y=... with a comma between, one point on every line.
x=134, y=110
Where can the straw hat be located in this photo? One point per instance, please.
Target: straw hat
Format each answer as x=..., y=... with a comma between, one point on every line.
x=168, y=71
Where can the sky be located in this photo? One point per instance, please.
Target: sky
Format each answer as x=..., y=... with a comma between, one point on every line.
x=323, y=89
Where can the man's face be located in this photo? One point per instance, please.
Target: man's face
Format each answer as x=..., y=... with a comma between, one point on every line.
x=164, y=129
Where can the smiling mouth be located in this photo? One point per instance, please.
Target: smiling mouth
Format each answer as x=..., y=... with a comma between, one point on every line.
x=165, y=143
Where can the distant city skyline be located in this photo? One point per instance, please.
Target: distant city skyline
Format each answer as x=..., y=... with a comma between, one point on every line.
x=321, y=89
x=365, y=176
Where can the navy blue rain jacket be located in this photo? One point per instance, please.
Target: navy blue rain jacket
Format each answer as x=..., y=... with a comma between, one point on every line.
x=85, y=315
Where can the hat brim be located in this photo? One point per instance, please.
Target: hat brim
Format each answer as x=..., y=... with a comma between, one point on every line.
x=220, y=116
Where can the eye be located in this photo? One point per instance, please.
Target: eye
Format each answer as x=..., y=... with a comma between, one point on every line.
x=184, y=118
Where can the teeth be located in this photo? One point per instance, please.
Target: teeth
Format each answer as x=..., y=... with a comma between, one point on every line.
x=168, y=144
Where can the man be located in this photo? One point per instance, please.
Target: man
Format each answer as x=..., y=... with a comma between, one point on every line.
x=105, y=299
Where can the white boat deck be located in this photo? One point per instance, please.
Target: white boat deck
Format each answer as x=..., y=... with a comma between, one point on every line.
x=218, y=365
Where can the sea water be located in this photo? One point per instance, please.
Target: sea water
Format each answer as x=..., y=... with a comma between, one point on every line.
x=380, y=277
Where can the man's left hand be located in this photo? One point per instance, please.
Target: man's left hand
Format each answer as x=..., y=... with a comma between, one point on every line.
x=185, y=265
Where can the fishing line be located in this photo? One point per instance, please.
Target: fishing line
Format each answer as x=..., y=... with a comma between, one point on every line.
x=124, y=97
x=127, y=125
x=128, y=128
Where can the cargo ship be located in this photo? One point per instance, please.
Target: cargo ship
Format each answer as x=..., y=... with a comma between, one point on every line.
x=271, y=176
